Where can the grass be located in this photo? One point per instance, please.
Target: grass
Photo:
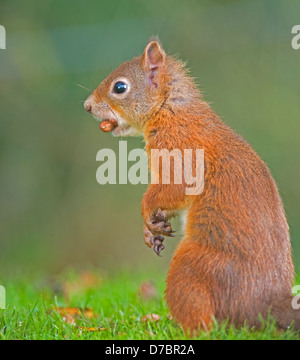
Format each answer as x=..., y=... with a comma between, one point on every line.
x=114, y=310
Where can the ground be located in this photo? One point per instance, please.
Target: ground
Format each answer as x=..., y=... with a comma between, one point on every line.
x=89, y=305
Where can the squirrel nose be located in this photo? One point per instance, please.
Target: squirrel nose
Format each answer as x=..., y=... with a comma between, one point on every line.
x=88, y=106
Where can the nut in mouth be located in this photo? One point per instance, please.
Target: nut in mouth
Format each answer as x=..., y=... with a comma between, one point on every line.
x=108, y=125
x=117, y=128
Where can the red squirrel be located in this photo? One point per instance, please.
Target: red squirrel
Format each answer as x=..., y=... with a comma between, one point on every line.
x=234, y=261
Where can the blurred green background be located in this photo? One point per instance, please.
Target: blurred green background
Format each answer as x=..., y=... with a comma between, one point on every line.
x=53, y=213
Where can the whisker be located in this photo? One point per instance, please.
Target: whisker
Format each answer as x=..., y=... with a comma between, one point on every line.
x=112, y=111
x=83, y=87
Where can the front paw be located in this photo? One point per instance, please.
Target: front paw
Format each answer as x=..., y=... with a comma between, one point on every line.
x=158, y=224
x=153, y=241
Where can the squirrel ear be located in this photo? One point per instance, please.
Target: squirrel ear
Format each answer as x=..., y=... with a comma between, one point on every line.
x=154, y=56
x=153, y=59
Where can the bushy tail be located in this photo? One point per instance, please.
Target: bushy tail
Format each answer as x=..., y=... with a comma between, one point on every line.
x=286, y=311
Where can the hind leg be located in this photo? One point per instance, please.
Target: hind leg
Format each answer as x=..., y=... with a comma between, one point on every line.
x=187, y=293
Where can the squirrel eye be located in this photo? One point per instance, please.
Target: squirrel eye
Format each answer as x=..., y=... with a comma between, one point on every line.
x=120, y=87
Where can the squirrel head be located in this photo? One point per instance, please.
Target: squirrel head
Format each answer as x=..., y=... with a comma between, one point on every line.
x=137, y=90
x=132, y=92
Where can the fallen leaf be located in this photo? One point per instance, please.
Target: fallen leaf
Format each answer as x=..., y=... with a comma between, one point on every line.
x=75, y=311
x=91, y=329
x=69, y=319
x=71, y=314
x=150, y=317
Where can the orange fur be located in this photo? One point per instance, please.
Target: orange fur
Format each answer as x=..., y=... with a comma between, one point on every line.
x=235, y=258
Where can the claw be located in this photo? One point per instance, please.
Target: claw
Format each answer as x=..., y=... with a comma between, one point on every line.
x=157, y=242
x=156, y=249
x=161, y=247
x=167, y=227
x=152, y=240
x=160, y=238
